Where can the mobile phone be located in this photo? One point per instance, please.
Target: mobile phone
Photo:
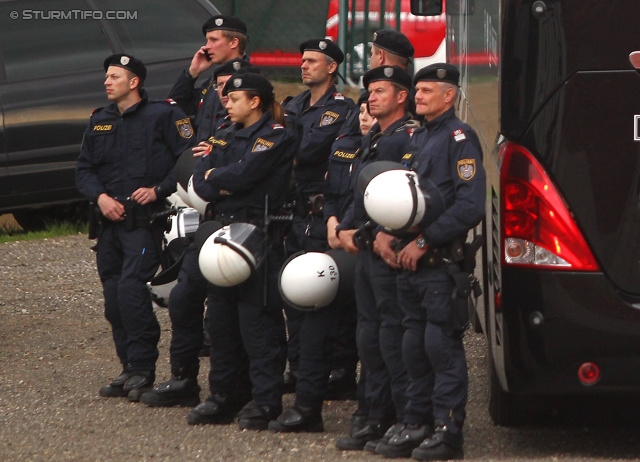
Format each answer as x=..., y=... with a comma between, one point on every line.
x=207, y=55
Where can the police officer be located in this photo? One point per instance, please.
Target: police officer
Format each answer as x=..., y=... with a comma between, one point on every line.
x=226, y=38
x=337, y=195
x=125, y=168
x=318, y=114
x=445, y=153
x=186, y=300
x=252, y=161
x=379, y=328
x=389, y=48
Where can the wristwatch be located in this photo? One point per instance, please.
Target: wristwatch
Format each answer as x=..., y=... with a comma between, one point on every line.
x=420, y=242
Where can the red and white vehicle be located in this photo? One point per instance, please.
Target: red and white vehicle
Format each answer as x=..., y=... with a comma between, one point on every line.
x=426, y=33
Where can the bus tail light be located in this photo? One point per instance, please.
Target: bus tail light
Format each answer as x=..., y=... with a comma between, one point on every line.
x=537, y=227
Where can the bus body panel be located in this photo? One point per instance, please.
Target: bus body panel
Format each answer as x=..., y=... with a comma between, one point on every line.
x=559, y=84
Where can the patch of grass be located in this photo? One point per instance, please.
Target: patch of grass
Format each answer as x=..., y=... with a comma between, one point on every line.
x=12, y=233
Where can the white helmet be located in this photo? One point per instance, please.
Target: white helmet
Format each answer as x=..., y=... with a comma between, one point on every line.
x=312, y=280
x=394, y=200
x=231, y=254
x=197, y=202
x=183, y=224
x=183, y=194
x=162, y=283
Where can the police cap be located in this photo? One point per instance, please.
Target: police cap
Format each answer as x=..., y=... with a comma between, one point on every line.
x=393, y=74
x=248, y=81
x=233, y=65
x=394, y=42
x=438, y=72
x=224, y=22
x=127, y=62
x=325, y=46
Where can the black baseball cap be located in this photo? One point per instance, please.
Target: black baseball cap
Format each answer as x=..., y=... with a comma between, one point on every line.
x=127, y=62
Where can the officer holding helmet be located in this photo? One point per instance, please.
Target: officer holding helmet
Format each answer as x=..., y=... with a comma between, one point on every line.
x=379, y=329
x=251, y=164
x=446, y=154
x=318, y=114
x=186, y=300
x=125, y=168
x=389, y=48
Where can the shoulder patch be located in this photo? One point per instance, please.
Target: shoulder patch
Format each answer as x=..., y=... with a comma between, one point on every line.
x=338, y=96
x=184, y=128
x=328, y=118
x=466, y=169
x=459, y=135
x=262, y=145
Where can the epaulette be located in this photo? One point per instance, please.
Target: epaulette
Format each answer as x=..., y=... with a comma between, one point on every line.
x=458, y=135
x=170, y=101
x=277, y=126
x=338, y=95
x=96, y=110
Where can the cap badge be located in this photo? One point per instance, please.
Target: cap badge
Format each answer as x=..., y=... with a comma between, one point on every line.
x=237, y=65
x=441, y=73
x=322, y=44
x=219, y=22
x=237, y=82
x=388, y=71
x=124, y=60
x=375, y=36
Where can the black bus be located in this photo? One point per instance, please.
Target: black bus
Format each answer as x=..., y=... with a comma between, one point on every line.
x=553, y=94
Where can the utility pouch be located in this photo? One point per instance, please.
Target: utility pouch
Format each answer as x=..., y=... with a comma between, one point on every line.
x=461, y=305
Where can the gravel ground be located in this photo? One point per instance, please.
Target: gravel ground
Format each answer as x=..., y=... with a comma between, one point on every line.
x=56, y=352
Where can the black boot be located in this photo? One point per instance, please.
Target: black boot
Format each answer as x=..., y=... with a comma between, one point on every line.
x=373, y=444
x=115, y=388
x=341, y=385
x=257, y=416
x=298, y=419
x=218, y=408
x=357, y=441
x=442, y=445
x=138, y=383
x=181, y=390
x=402, y=443
x=358, y=420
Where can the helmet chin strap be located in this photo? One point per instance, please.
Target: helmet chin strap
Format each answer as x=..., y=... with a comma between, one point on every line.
x=414, y=207
x=236, y=248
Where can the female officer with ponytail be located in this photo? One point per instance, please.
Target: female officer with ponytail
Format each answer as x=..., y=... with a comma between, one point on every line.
x=251, y=161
